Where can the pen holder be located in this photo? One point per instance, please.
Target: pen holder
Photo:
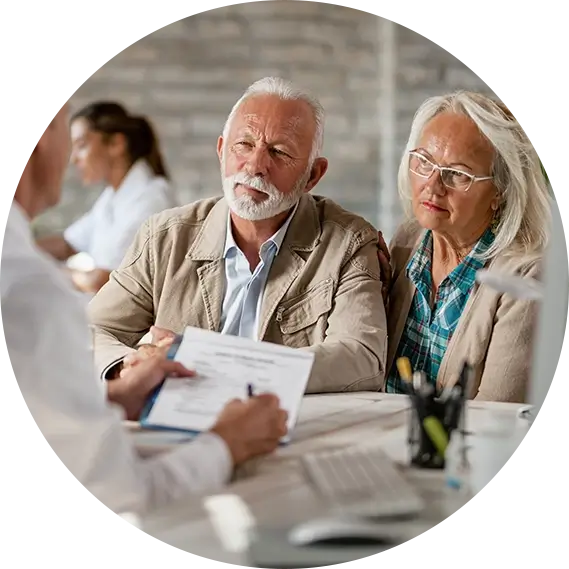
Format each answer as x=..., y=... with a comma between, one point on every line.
x=431, y=423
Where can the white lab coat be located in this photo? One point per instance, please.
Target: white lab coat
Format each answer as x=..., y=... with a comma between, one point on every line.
x=106, y=231
x=48, y=342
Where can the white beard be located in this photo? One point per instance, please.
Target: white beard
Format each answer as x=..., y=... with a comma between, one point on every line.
x=276, y=203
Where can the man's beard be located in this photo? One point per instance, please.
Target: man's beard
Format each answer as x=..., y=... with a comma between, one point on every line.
x=246, y=207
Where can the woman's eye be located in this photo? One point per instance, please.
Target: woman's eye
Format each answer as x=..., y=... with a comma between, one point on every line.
x=459, y=176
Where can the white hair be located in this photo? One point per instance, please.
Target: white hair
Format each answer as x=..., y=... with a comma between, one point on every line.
x=286, y=91
x=524, y=211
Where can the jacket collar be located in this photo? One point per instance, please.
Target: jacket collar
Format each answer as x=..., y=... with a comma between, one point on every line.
x=303, y=233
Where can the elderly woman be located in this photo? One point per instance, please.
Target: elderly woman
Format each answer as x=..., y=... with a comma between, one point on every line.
x=474, y=189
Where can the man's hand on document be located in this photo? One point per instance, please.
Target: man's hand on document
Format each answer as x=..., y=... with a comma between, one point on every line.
x=253, y=427
x=161, y=341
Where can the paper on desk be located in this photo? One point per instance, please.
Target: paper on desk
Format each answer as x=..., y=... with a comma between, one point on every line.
x=224, y=366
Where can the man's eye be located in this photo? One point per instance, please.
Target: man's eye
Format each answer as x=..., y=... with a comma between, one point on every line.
x=279, y=152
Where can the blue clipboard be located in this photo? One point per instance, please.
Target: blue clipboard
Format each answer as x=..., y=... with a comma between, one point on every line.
x=153, y=396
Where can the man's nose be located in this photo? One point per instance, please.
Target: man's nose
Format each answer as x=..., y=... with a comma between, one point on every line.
x=258, y=162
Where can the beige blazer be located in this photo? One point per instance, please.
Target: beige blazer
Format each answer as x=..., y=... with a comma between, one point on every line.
x=494, y=333
x=323, y=291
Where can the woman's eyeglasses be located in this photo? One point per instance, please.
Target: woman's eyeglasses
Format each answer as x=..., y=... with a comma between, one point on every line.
x=451, y=177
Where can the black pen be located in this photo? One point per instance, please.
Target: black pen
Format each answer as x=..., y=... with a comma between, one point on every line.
x=249, y=390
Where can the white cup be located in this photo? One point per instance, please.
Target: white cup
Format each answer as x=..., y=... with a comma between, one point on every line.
x=491, y=447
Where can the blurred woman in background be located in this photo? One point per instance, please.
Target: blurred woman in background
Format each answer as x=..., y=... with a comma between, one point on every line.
x=121, y=150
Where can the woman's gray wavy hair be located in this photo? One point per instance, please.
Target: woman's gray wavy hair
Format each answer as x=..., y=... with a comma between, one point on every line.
x=524, y=213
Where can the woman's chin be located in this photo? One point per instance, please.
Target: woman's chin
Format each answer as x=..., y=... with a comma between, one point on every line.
x=432, y=221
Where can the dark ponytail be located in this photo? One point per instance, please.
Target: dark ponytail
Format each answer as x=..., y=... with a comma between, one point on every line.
x=111, y=118
x=144, y=144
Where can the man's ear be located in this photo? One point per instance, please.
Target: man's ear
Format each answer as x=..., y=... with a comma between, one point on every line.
x=220, y=148
x=316, y=173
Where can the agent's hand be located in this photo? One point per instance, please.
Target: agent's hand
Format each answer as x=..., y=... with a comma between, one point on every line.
x=253, y=427
x=132, y=389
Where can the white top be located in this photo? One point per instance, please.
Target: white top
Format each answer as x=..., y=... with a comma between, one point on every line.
x=108, y=229
x=54, y=369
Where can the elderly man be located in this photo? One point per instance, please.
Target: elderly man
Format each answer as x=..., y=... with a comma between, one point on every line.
x=268, y=261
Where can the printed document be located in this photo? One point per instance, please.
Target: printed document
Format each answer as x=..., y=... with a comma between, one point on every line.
x=225, y=365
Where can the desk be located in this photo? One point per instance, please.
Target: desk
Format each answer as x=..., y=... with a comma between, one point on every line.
x=277, y=493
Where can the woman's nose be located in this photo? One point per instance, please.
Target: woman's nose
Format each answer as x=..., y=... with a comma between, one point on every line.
x=435, y=183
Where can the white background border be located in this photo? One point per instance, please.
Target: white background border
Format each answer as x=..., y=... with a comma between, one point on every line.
x=49, y=48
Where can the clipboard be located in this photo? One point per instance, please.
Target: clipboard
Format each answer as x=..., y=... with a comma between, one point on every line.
x=154, y=395
x=146, y=415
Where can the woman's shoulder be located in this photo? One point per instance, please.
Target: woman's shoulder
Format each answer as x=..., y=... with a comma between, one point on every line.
x=161, y=190
x=404, y=241
x=407, y=234
x=519, y=263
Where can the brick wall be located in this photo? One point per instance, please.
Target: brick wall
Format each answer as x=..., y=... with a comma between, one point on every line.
x=370, y=75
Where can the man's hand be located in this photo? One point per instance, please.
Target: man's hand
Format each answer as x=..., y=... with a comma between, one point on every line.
x=385, y=267
x=253, y=427
x=161, y=341
x=132, y=389
x=161, y=334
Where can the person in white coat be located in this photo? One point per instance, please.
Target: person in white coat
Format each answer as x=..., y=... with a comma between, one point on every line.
x=112, y=147
x=48, y=339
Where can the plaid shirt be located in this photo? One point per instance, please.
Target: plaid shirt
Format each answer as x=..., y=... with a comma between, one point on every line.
x=427, y=332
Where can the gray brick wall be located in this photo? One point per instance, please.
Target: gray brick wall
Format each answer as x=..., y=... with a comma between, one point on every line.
x=186, y=77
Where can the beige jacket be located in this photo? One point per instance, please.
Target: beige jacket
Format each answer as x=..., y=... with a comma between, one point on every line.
x=323, y=292
x=494, y=333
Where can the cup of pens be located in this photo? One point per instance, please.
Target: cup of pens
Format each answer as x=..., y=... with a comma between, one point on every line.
x=432, y=419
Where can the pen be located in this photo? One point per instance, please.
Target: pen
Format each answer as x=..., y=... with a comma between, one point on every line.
x=406, y=373
x=419, y=380
x=453, y=404
x=249, y=390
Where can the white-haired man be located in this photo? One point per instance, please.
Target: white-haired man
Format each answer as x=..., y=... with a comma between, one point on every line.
x=48, y=341
x=268, y=261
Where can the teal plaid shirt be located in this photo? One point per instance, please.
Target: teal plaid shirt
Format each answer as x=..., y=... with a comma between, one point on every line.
x=427, y=332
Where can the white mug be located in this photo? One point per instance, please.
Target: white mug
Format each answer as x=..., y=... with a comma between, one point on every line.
x=491, y=446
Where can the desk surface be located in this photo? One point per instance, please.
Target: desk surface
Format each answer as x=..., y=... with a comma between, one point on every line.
x=277, y=493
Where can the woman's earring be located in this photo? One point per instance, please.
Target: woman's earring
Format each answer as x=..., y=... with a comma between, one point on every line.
x=496, y=219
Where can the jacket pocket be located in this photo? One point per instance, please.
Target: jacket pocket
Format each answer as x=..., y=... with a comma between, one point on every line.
x=305, y=310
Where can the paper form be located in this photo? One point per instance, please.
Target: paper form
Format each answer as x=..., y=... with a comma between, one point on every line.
x=225, y=365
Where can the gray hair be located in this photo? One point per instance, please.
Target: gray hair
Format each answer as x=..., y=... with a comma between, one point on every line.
x=523, y=191
x=286, y=91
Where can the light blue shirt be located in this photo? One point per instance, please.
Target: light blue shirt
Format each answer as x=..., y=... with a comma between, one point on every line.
x=244, y=289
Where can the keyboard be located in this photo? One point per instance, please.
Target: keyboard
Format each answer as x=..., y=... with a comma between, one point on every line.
x=362, y=482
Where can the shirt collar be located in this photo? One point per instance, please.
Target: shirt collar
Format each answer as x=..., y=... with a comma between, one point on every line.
x=277, y=239
x=138, y=176
x=463, y=276
x=418, y=268
x=20, y=220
